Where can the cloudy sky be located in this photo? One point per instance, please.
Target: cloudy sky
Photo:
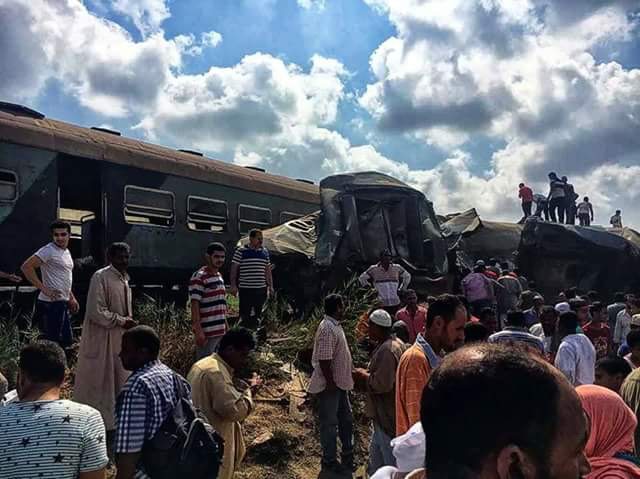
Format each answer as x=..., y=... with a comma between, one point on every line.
x=462, y=99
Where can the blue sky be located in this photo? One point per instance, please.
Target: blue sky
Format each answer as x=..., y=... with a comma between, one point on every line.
x=461, y=99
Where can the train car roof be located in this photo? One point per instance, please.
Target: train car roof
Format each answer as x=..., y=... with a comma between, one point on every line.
x=54, y=135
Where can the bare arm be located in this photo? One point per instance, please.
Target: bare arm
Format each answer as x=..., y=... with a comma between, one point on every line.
x=268, y=275
x=11, y=277
x=98, y=474
x=29, y=267
x=126, y=465
x=195, y=323
x=235, y=267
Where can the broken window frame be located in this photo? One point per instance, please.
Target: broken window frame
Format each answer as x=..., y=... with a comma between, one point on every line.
x=252, y=223
x=15, y=184
x=288, y=216
x=207, y=219
x=128, y=213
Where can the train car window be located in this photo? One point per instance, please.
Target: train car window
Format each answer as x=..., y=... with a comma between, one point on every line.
x=288, y=216
x=206, y=214
x=147, y=206
x=250, y=217
x=8, y=185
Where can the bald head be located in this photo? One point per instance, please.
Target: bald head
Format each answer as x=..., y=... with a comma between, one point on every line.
x=488, y=409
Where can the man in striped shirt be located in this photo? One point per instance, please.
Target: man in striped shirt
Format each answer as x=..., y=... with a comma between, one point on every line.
x=146, y=400
x=387, y=278
x=208, y=302
x=516, y=334
x=251, y=279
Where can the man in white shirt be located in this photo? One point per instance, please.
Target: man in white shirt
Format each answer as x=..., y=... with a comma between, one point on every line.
x=56, y=299
x=576, y=356
x=387, y=278
x=623, y=321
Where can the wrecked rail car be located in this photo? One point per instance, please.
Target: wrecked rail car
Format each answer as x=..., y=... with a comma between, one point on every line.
x=168, y=204
x=557, y=256
x=361, y=214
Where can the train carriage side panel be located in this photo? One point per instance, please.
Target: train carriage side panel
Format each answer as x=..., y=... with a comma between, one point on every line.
x=169, y=220
x=28, y=202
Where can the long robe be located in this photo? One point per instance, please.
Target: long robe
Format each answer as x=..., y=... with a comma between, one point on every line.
x=99, y=373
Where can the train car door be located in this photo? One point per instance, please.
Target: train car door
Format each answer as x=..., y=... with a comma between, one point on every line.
x=80, y=202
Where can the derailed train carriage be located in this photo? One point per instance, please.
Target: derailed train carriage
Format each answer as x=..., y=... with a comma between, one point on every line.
x=361, y=215
x=167, y=204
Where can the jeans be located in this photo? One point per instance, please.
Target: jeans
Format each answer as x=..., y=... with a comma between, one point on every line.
x=380, y=450
x=570, y=213
x=526, y=208
x=556, y=204
x=251, y=298
x=336, y=420
x=585, y=219
x=542, y=208
x=52, y=319
x=209, y=347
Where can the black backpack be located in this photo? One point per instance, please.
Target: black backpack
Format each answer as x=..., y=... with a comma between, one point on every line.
x=185, y=446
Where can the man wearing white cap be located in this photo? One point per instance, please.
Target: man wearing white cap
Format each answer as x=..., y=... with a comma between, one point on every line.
x=380, y=382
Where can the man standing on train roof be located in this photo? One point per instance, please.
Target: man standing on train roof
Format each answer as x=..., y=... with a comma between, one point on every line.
x=251, y=279
x=387, y=278
x=526, y=195
x=616, y=220
x=56, y=299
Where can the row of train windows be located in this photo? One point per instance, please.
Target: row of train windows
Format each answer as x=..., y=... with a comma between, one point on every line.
x=157, y=207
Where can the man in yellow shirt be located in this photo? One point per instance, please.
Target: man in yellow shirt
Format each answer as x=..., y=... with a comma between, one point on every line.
x=225, y=400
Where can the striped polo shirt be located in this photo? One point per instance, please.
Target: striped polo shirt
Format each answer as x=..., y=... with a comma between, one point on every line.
x=253, y=264
x=517, y=336
x=208, y=290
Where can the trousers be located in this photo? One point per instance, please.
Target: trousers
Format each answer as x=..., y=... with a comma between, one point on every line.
x=380, y=450
x=336, y=420
x=52, y=318
x=557, y=205
x=251, y=299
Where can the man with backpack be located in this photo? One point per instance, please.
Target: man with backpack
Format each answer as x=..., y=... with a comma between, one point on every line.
x=158, y=432
x=225, y=399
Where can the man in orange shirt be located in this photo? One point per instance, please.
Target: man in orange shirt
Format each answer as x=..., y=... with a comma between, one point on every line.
x=443, y=331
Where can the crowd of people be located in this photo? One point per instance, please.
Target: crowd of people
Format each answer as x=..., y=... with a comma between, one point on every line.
x=123, y=395
x=495, y=382
x=560, y=205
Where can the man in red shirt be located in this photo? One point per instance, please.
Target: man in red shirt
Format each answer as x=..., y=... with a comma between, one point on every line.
x=413, y=315
x=526, y=195
x=597, y=330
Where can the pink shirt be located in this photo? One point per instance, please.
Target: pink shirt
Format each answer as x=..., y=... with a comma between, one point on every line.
x=415, y=323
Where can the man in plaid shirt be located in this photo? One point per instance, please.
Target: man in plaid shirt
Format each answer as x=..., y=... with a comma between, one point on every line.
x=146, y=400
x=331, y=382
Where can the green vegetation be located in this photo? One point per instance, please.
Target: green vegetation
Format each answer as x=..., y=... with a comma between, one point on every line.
x=298, y=336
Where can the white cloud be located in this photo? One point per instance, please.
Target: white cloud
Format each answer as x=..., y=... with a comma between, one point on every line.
x=309, y=4
x=146, y=15
x=518, y=71
x=453, y=70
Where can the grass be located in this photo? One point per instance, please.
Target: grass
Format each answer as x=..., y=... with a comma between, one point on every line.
x=173, y=325
x=301, y=334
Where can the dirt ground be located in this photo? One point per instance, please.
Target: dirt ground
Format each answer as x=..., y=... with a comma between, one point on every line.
x=291, y=448
x=282, y=435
